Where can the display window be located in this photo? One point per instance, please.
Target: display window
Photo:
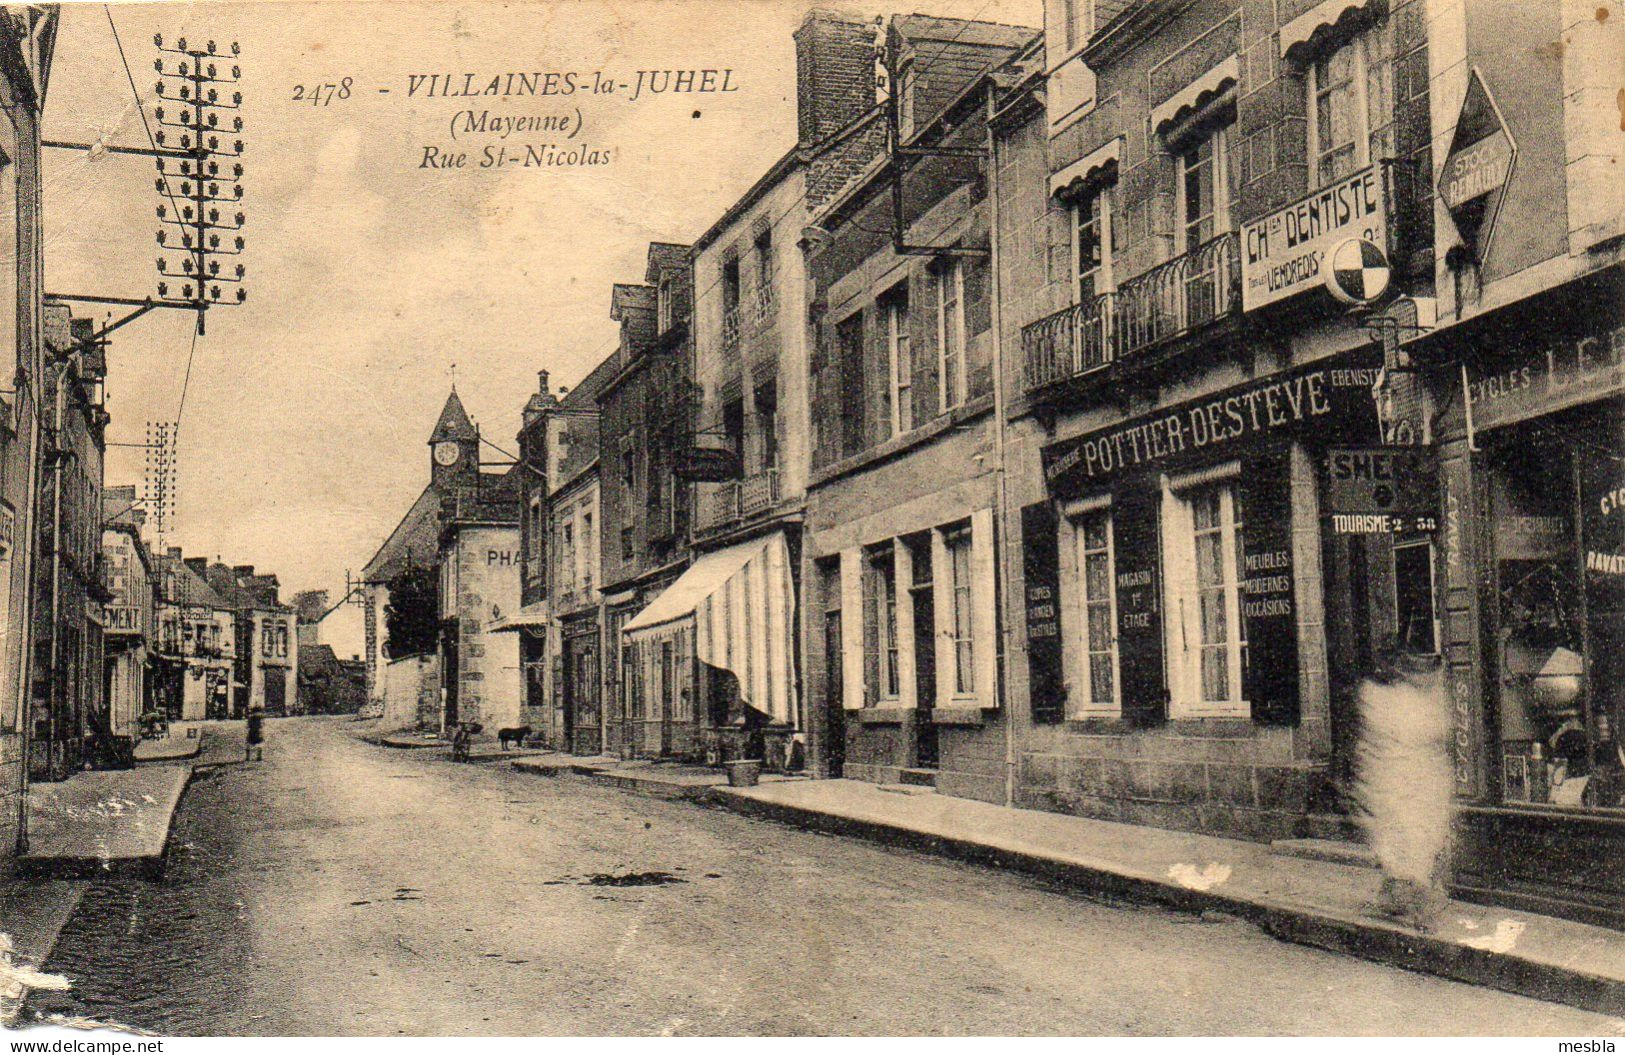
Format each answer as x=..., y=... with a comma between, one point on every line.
x=1555, y=487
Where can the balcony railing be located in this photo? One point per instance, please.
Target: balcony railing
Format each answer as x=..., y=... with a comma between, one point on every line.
x=728, y=503
x=1168, y=301
x=763, y=302
x=730, y=329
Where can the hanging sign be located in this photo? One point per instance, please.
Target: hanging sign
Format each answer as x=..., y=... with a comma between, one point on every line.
x=1478, y=165
x=1358, y=272
x=1381, y=490
x=707, y=465
x=1284, y=252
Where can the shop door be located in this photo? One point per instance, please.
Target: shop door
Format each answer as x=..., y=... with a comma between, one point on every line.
x=925, y=678
x=834, y=709
x=276, y=693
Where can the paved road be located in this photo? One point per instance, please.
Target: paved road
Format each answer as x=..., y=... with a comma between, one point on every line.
x=343, y=888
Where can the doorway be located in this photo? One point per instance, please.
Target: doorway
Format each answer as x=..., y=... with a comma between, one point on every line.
x=926, y=754
x=834, y=707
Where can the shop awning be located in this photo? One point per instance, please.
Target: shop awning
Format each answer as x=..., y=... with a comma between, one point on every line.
x=739, y=602
x=530, y=617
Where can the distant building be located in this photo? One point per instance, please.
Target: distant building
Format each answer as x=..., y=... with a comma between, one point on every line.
x=130, y=614
x=265, y=675
x=197, y=641
x=644, y=511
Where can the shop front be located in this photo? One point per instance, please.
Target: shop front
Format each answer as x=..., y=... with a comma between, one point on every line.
x=710, y=662
x=1533, y=468
x=1176, y=607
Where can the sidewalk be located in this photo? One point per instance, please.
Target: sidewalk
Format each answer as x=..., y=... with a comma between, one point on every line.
x=1311, y=902
x=114, y=820
x=665, y=780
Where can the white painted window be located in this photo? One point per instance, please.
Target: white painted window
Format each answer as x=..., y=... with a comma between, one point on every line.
x=1203, y=190
x=1206, y=636
x=957, y=542
x=1338, y=142
x=1092, y=243
x=1095, y=673
x=900, y=357
x=951, y=335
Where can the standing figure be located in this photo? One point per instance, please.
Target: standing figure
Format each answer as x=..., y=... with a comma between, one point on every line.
x=1403, y=783
x=254, y=742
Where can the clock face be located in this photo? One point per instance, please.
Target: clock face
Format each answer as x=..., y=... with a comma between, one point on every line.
x=445, y=453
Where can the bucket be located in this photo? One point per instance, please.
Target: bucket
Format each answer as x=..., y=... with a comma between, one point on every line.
x=743, y=773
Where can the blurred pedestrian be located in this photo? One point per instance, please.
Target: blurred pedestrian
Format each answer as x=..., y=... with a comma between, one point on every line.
x=1403, y=783
x=254, y=742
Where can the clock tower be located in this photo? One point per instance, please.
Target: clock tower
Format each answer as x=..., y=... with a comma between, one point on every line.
x=454, y=446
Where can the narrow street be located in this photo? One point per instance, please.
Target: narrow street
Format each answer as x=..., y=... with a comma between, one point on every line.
x=343, y=888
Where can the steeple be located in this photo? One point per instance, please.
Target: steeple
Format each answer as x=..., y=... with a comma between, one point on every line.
x=454, y=446
x=454, y=423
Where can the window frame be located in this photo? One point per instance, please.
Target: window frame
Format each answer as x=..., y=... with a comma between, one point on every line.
x=961, y=613
x=1080, y=701
x=1219, y=213
x=1183, y=588
x=951, y=323
x=899, y=346
x=1362, y=117
x=1102, y=274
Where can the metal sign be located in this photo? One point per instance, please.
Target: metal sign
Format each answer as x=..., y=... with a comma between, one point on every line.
x=1381, y=490
x=1478, y=166
x=1284, y=253
x=1358, y=272
x=707, y=465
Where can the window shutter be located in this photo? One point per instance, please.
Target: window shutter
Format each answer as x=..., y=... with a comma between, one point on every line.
x=922, y=299
x=978, y=324
x=1269, y=680
x=1040, y=562
x=1138, y=570
x=879, y=373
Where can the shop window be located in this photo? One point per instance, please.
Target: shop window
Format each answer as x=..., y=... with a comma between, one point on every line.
x=1415, y=622
x=957, y=543
x=1560, y=633
x=1206, y=636
x=1096, y=676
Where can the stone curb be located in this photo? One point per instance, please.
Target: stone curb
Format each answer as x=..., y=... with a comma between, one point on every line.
x=1368, y=939
x=150, y=866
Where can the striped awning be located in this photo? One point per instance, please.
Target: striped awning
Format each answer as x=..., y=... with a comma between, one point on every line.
x=740, y=603
x=532, y=617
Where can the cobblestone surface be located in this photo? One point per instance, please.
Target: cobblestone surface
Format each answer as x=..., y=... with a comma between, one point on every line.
x=342, y=888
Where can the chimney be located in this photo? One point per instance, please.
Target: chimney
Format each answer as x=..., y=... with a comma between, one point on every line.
x=243, y=571
x=541, y=381
x=835, y=73
x=174, y=553
x=835, y=85
x=197, y=564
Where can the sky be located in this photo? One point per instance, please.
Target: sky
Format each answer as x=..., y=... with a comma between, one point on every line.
x=374, y=282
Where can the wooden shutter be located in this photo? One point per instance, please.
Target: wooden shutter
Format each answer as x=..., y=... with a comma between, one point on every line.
x=1136, y=539
x=922, y=315
x=1269, y=680
x=1041, y=575
x=878, y=355
x=978, y=327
